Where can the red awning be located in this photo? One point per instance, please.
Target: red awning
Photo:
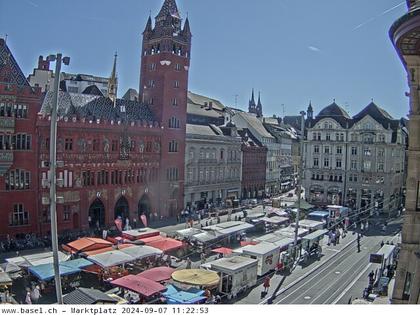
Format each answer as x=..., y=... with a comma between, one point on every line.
x=88, y=244
x=158, y=274
x=166, y=244
x=140, y=285
x=223, y=250
x=151, y=239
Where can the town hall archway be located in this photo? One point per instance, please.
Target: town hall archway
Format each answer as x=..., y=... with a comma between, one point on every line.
x=97, y=213
x=122, y=209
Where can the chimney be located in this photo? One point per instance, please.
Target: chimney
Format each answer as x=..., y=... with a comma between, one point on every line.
x=210, y=105
x=43, y=64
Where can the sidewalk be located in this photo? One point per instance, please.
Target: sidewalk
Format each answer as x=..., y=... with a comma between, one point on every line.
x=300, y=272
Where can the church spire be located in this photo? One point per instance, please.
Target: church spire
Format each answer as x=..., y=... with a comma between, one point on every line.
x=259, y=106
x=169, y=7
x=251, y=106
x=113, y=82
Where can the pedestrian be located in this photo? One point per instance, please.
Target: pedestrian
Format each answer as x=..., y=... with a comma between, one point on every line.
x=371, y=277
x=28, y=296
x=203, y=258
x=188, y=263
x=382, y=244
x=334, y=239
x=266, y=284
x=35, y=294
x=338, y=236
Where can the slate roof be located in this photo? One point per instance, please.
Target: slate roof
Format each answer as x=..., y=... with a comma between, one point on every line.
x=377, y=113
x=10, y=71
x=293, y=121
x=248, y=138
x=335, y=112
x=198, y=99
x=96, y=107
x=131, y=95
x=87, y=296
x=255, y=123
x=93, y=90
x=83, y=77
x=200, y=130
x=169, y=7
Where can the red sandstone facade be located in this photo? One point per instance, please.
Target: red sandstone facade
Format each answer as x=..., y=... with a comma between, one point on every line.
x=107, y=167
x=19, y=105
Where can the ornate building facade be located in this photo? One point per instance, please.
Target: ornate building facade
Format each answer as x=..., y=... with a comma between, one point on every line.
x=19, y=105
x=213, y=165
x=358, y=161
x=405, y=37
x=116, y=157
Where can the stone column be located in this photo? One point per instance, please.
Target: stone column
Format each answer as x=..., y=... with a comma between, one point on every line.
x=410, y=247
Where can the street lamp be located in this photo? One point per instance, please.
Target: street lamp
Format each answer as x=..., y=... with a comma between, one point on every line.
x=302, y=128
x=53, y=180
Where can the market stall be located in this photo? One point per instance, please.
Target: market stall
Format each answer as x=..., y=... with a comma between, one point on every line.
x=174, y=295
x=237, y=274
x=187, y=233
x=310, y=225
x=87, y=296
x=222, y=250
x=86, y=244
x=36, y=259
x=203, y=279
x=145, y=290
x=69, y=273
x=106, y=249
x=141, y=252
x=111, y=259
x=290, y=232
x=158, y=274
x=139, y=234
x=267, y=255
x=166, y=245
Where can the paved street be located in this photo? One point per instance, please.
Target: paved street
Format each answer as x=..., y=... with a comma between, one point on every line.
x=339, y=275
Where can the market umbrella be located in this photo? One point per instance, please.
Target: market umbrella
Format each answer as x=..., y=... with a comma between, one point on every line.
x=223, y=250
x=196, y=277
x=246, y=243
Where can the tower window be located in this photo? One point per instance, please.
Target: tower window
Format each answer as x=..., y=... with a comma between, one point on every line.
x=152, y=67
x=174, y=102
x=173, y=146
x=151, y=83
x=178, y=67
x=176, y=84
x=174, y=123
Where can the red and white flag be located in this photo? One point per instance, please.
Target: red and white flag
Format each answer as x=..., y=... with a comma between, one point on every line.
x=144, y=220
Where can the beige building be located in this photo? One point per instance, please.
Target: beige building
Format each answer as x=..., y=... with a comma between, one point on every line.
x=354, y=161
x=405, y=37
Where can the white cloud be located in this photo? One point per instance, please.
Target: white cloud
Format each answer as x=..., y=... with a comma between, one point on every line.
x=313, y=48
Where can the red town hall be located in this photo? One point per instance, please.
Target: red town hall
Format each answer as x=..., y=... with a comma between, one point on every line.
x=116, y=157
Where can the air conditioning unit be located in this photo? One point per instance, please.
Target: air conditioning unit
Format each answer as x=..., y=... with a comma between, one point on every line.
x=45, y=163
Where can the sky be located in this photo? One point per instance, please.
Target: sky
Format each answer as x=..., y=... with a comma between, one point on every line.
x=292, y=51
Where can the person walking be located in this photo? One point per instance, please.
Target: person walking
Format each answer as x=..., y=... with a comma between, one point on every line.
x=28, y=296
x=188, y=263
x=338, y=234
x=266, y=284
x=35, y=294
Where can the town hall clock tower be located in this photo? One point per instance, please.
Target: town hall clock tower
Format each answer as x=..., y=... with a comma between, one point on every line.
x=165, y=62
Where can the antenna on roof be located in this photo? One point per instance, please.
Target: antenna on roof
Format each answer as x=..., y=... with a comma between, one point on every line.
x=5, y=38
x=371, y=99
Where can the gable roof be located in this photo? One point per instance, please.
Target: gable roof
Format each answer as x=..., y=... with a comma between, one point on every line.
x=87, y=296
x=10, y=71
x=201, y=100
x=93, y=90
x=377, y=113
